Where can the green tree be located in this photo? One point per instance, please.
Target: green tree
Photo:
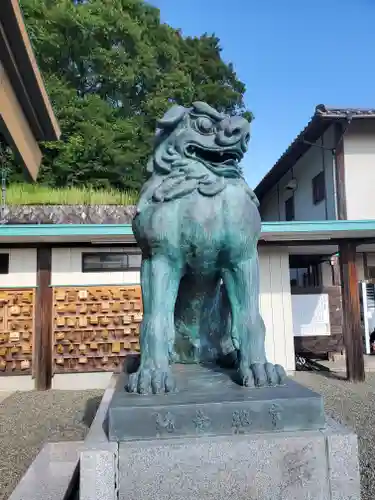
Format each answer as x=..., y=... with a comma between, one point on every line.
x=111, y=68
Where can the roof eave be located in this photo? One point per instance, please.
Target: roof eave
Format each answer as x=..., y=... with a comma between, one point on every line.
x=105, y=234
x=18, y=53
x=346, y=116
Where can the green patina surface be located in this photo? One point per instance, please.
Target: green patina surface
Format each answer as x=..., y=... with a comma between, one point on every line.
x=198, y=225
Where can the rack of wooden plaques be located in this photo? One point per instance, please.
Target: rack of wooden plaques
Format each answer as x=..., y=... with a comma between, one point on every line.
x=16, y=331
x=95, y=327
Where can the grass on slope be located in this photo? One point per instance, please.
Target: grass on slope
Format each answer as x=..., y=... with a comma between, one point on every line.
x=34, y=194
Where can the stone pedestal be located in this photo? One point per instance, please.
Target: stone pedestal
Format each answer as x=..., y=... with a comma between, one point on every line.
x=215, y=440
x=301, y=465
x=208, y=402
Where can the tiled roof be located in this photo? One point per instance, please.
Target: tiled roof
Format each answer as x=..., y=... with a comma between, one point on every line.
x=321, y=120
x=328, y=112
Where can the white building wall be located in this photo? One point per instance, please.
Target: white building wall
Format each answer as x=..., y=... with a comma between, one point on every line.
x=305, y=169
x=359, y=150
x=67, y=269
x=22, y=268
x=276, y=306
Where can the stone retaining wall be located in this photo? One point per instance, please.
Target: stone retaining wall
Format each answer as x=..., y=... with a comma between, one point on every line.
x=68, y=214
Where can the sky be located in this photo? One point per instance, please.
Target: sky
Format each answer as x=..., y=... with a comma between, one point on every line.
x=292, y=55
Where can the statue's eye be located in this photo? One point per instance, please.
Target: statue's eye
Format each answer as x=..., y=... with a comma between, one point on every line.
x=204, y=125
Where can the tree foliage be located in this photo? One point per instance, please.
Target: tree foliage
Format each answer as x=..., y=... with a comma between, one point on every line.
x=111, y=68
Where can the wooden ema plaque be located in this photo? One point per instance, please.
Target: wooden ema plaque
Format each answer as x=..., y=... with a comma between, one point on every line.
x=16, y=331
x=94, y=328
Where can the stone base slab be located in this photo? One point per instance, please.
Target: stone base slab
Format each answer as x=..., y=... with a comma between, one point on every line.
x=303, y=465
x=209, y=402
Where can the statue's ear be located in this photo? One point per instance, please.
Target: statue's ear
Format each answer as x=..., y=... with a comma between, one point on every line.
x=172, y=117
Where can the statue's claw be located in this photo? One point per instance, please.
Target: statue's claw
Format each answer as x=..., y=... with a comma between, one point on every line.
x=261, y=375
x=146, y=381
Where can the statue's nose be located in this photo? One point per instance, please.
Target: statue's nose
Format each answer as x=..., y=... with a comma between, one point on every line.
x=233, y=130
x=236, y=126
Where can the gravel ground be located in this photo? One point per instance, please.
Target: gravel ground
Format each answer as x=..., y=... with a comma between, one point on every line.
x=353, y=405
x=30, y=419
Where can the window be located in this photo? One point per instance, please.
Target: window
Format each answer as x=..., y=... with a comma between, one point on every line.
x=289, y=208
x=305, y=271
x=4, y=263
x=318, y=188
x=101, y=262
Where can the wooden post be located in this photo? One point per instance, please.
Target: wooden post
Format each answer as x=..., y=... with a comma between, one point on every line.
x=43, y=320
x=351, y=312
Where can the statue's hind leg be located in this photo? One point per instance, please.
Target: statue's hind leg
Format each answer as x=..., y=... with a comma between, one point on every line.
x=160, y=278
x=248, y=330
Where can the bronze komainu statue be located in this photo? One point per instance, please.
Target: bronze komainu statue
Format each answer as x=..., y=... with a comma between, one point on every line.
x=197, y=224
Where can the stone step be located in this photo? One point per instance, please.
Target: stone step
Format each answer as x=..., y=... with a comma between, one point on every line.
x=52, y=475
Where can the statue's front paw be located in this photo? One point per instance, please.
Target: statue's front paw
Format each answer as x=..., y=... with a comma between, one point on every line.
x=151, y=381
x=262, y=375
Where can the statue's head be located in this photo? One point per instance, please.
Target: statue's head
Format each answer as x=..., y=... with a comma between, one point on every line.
x=202, y=134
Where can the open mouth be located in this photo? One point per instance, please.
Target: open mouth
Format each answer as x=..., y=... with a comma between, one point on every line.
x=226, y=157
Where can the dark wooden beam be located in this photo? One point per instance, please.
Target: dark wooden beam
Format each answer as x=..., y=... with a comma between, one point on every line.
x=43, y=320
x=351, y=312
x=298, y=243
x=313, y=243
x=281, y=243
x=365, y=241
x=82, y=244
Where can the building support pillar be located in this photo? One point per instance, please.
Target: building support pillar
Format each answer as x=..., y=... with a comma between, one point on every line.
x=43, y=320
x=351, y=312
